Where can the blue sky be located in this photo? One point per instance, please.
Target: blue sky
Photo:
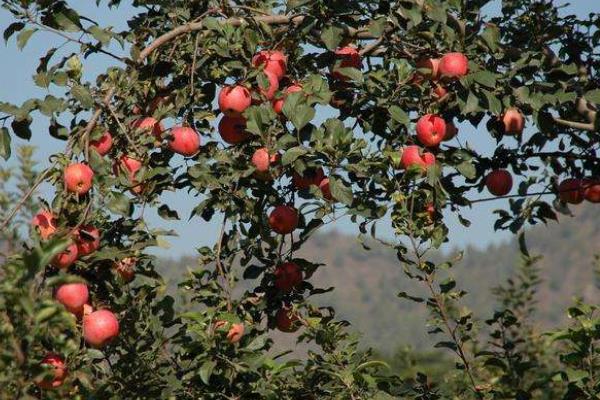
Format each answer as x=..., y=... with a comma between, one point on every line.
x=16, y=86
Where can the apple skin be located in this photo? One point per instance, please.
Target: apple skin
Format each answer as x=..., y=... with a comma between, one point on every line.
x=454, y=65
x=411, y=156
x=571, y=191
x=431, y=130
x=269, y=92
x=184, y=141
x=288, y=276
x=283, y=219
x=311, y=177
x=499, y=182
x=274, y=61
x=451, y=131
x=73, y=296
x=233, y=130
x=280, y=102
x=261, y=159
x=60, y=371
x=234, y=100
x=88, y=242
x=350, y=58
x=591, y=190
x=440, y=91
x=126, y=268
x=67, y=258
x=513, y=122
x=326, y=189
x=149, y=125
x=433, y=67
x=235, y=333
x=286, y=320
x=100, y=327
x=45, y=223
x=78, y=178
x=131, y=166
x=103, y=144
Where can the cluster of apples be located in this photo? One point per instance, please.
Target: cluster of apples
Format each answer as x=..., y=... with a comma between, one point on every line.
x=575, y=191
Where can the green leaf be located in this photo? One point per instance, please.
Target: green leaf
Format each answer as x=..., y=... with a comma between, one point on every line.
x=100, y=35
x=82, y=94
x=23, y=37
x=293, y=154
x=119, y=204
x=302, y=115
x=206, y=371
x=485, y=78
x=12, y=29
x=332, y=36
x=491, y=36
x=467, y=169
x=166, y=213
x=46, y=313
x=22, y=128
x=593, y=96
x=5, y=143
x=399, y=115
x=339, y=191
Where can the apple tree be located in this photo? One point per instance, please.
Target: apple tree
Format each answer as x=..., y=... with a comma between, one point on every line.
x=277, y=118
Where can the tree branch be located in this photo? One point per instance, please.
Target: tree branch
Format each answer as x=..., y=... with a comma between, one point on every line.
x=576, y=125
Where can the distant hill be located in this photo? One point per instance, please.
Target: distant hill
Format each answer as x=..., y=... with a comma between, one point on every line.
x=367, y=282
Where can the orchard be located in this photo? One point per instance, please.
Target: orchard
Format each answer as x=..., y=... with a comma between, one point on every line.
x=221, y=102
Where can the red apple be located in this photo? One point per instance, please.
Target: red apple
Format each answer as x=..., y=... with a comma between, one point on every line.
x=233, y=130
x=234, y=100
x=131, y=166
x=451, y=131
x=350, y=58
x=103, y=144
x=100, y=327
x=59, y=370
x=45, y=223
x=66, y=258
x=283, y=219
x=454, y=65
x=126, y=268
x=273, y=61
x=184, y=141
x=499, y=182
x=310, y=177
x=411, y=156
x=78, y=178
x=280, y=102
x=431, y=211
x=571, y=191
x=261, y=159
x=73, y=296
x=325, y=189
x=431, y=130
x=440, y=91
x=287, y=276
x=235, y=333
x=591, y=190
x=150, y=125
x=431, y=65
x=87, y=239
x=513, y=121
x=269, y=92
x=286, y=320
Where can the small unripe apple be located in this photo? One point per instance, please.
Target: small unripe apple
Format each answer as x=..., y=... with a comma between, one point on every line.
x=431, y=130
x=287, y=320
x=45, y=223
x=233, y=130
x=326, y=189
x=310, y=177
x=150, y=125
x=234, y=100
x=499, y=182
x=87, y=239
x=429, y=68
x=66, y=258
x=451, y=131
x=100, y=327
x=273, y=61
x=59, y=369
x=283, y=219
x=454, y=65
x=412, y=156
x=184, y=141
x=288, y=276
x=513, y=121
x=78, y=178
x=235, y=333
x=280, y=102
x=350, y=58
x=126, y=268
x=103, y=144
x=591, y=190
x=571, y=191
x=269, y=91
x=73, y=296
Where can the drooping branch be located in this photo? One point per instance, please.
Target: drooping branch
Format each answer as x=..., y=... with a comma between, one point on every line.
x=576, y=125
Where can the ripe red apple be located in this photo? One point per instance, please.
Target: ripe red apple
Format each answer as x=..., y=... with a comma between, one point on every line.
x=283, y=219
x=287, y=276
x=59, y=370
x=280, y=102
x=150, y=125
x=274, y=61
x=325, y=189
x=103, y=144
x=411, y=156
x=73, y=296
x=499, y=182
x=66, y=258
x=454, y=65
x=126, y=268
x=233, y=130
x=100, y=327
x=451, y=131
x=350, y=58
x=45, y=223
x=286, y=320
x=78, y=178
x=431, y=65
x=309, y=177
x=571, y=191
x=591, y=190
x=261, y=159
x=234, y=100
x=269, y=91
x=431, y=130
x=235, y=333
x=87, y=239
x=513, y=121
x=184, y=141
x=131, y=166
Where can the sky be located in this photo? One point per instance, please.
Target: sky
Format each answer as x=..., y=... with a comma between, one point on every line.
x=17, y=68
